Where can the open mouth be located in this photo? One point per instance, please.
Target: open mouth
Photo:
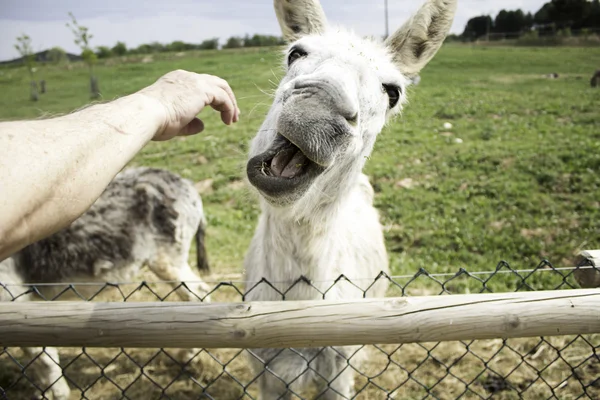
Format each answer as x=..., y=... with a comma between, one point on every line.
x=287, y=162
x=283, y=170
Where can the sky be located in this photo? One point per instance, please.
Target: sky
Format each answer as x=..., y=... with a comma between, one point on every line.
x=143, y=21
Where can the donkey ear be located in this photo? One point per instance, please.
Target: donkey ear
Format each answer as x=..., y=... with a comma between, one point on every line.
x=417, y=41
x=300, y=17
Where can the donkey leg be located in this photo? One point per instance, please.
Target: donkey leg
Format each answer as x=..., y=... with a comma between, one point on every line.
x=334, y=366
x=176, y=270
x=194, y=283
x=283, y=372
x=48, y=373
x=199, y=288
x=194, y=289
x=273, y=388
x=342, y=386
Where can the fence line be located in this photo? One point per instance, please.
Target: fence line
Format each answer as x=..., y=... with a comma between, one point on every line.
x=238, y=277
x=551, y=365
x=301, y=323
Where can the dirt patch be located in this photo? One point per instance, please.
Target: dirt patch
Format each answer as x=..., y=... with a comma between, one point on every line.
x=205, y=186
x=507, y=370
x=236, y=185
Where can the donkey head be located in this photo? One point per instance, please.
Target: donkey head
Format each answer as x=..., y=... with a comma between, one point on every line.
x=337, y=94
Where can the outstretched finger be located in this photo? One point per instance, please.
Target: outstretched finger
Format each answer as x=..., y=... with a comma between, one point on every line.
x=222, y=102
x=228, y=117
x=223, y=84
x=236, y=117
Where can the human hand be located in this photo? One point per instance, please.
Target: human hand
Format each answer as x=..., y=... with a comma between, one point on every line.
x=181, y=95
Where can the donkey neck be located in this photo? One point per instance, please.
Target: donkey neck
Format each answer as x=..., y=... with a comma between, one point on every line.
x=316, y=247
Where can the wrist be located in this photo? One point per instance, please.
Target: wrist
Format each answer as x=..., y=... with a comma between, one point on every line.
x=143, y=113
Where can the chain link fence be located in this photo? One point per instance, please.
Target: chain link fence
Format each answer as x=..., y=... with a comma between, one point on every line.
x=561, y=367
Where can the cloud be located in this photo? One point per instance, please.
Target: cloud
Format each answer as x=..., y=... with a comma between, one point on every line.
x=144, y=21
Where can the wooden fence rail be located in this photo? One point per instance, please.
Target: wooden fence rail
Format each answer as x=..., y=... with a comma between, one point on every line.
x=300, y=323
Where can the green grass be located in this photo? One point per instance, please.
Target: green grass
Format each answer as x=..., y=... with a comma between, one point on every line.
x=521, y=187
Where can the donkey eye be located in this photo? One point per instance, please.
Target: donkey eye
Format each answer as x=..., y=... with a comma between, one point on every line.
x=295, y=54
x=393, y=93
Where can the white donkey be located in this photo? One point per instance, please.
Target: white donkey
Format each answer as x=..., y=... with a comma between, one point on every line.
x=318, y=221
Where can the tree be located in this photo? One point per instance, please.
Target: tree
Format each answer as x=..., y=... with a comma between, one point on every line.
x=149, y=48
x=262, y=40
x=179, y=46
x=156, y=47
x=142, y=49
x=570, y=13
x=234, y=43
x=103, y=52
x=57, y=55
x=82, y=39
x=210, y=44
x=120, y=49
x=555, y=16
x=592, y=19
x=24, y=48
x=564, y=13
x=528, y=21
x=477, y=27
x=509, y=21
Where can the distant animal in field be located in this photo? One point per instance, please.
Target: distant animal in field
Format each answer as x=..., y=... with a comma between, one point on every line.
x=595, y=81
x=553, y=75
x=145, y=217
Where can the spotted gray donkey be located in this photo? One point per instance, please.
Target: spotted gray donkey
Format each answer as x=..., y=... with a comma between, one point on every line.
x=145, y=217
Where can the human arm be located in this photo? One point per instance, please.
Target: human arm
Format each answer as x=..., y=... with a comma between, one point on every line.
x=52, y=171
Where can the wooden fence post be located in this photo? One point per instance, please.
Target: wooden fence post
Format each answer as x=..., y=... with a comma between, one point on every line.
x=588, y=273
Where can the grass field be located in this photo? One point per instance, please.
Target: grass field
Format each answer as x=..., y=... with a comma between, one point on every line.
x=521, y=184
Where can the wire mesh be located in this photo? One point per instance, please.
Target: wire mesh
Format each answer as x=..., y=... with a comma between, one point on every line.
x=563, y=367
